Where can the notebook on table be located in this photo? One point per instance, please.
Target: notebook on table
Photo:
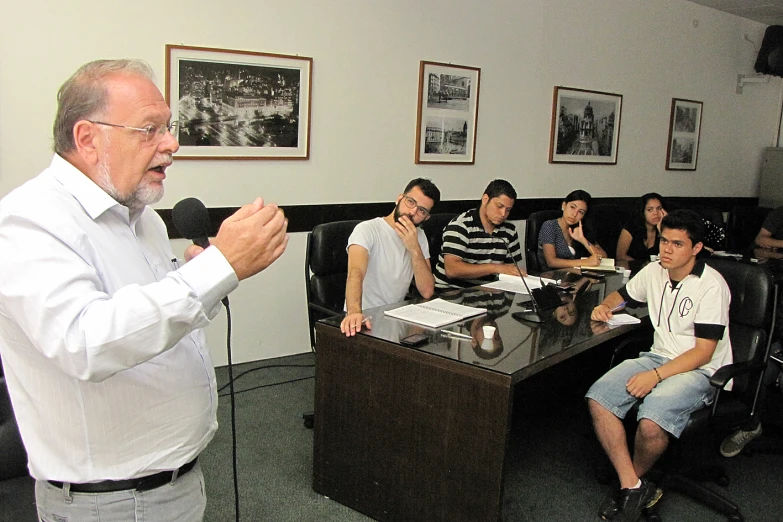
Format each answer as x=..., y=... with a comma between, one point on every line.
x=435, y=313
x=607, y=265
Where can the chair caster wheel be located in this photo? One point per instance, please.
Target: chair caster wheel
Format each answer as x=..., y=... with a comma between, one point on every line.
x=736, y=518
x=722, y=481
x=653, y=517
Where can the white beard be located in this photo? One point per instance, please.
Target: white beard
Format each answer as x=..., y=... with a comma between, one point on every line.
x=144, y=194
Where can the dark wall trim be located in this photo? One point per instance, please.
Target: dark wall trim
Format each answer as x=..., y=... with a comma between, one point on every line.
x=302, y=218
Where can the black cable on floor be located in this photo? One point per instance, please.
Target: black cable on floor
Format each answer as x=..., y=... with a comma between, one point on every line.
x=269, y=385
x=264, y=367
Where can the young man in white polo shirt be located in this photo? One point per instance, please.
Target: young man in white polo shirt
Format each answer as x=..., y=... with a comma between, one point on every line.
x=688, y=305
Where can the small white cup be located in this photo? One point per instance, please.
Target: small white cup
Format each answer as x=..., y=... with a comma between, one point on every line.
x=627, y=273
x=653, y=257
x=489, y=331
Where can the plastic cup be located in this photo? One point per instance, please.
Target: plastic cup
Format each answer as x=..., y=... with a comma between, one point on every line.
x=489, y=332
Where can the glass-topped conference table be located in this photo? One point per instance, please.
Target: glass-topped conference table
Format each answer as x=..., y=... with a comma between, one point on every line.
x=405, y=433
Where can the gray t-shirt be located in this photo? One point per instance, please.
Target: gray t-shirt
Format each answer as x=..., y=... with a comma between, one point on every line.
x=389, y=268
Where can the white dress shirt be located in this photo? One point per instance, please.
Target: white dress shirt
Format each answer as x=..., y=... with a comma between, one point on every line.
x=106, y=365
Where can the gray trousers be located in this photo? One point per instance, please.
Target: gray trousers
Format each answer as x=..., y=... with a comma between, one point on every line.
x=183, y=500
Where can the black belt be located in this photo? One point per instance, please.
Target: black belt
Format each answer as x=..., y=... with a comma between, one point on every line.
x=140, y=484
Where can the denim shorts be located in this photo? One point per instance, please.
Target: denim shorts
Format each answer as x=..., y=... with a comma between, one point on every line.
x=669, y=404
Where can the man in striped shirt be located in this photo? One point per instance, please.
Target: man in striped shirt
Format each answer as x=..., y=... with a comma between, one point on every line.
x=478, y=244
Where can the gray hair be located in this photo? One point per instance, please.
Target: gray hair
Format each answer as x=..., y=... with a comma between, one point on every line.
x=84, y=96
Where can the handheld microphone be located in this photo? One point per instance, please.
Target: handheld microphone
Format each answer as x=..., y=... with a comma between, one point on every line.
x=191, y=220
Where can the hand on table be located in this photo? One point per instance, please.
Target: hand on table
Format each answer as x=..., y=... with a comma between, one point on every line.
x=352, y=323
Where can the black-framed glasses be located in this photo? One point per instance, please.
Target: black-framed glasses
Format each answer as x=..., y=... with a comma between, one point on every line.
x=412, y=203
x=151, y=131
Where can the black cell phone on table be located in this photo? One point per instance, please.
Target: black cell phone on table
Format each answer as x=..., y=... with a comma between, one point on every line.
x=414, y=340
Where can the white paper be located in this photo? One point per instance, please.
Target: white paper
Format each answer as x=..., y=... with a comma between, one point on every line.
x=510, y=283
x=621, y=319
x=434, y=313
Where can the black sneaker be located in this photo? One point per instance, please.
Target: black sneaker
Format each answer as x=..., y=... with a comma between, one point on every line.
x=610, y=506
x=633, y=501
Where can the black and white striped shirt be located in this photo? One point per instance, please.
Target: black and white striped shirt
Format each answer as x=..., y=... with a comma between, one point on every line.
x=466, y=238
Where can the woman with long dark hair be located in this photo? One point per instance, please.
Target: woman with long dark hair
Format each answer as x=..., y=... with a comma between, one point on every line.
x=562, y=242
x=639, y=237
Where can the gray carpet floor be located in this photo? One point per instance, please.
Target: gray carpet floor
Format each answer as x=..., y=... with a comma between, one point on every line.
x=550, y=475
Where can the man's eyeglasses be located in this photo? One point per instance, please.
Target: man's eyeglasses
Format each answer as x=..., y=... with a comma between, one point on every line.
x=151, y=131
x=412, y=203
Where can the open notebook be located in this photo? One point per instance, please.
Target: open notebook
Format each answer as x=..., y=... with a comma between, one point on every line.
x=435, y=313
x=607, y=265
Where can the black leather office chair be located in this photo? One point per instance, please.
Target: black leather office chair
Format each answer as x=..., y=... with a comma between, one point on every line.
x=751, y=320
x=13, y=457
x=532, y=227
x=326, y=269
x=433, y=228
x=743, y=225
x=607, y=221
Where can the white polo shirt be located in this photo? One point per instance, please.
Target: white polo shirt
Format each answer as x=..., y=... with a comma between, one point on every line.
x=698, y=306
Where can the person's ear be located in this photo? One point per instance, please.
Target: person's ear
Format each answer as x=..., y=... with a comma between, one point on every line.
x=87, y=139
x=697, y=248
x=484, y=199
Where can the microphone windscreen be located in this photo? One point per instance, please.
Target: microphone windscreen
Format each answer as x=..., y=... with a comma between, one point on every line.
x=191, y=218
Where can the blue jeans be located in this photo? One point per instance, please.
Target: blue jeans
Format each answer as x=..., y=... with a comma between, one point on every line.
x=184, y=500
x=669, y=404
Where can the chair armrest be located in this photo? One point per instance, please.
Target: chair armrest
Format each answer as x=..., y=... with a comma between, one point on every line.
x=725, y=373
x=323, y=309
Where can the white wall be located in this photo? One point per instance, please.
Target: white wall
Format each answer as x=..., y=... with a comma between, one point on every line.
x=366, y=56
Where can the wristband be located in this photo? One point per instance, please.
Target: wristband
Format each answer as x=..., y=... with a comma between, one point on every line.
x=658, y=375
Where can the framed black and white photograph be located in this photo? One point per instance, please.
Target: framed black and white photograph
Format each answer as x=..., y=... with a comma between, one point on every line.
x=684, y=130
x=585, y=126
x=239, y=105
x=447, y=114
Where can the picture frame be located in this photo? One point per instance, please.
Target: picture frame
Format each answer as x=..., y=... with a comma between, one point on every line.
x=447, y=116
x=239, y=105
x=682, y=150
x=585, y=126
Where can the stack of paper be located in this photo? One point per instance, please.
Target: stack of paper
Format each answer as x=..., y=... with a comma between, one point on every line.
x=621, y=319
x=509, y=283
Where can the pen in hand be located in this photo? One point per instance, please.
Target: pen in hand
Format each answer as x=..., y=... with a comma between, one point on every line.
x=618, y=307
